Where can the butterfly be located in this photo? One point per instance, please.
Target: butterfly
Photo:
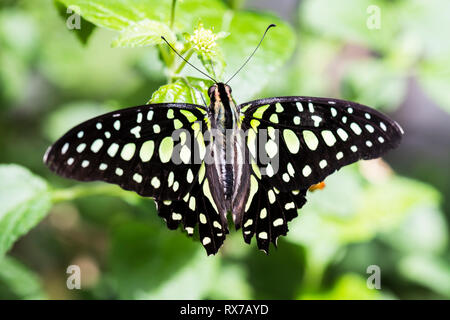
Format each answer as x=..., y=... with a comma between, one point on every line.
x=255, y=161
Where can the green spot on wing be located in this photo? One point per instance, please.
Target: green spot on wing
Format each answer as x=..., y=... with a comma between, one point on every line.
x=146, y=151
x=189, y=115
x=260, y=111
x=165, y=149
x=244, y=108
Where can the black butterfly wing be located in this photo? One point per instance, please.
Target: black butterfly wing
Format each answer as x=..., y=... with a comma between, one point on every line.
x=155, y=150
x=307, y=140
x=133, y=148
x=197, y=208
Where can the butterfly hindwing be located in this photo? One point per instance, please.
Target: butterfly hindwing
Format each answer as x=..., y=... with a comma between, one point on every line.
x=197, y=208
x=268, y=211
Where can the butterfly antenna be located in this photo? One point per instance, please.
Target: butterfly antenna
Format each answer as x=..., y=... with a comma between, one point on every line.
x=248, y=59
x=205, y=74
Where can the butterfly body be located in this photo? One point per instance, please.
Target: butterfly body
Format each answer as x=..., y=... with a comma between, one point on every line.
x=228, y=174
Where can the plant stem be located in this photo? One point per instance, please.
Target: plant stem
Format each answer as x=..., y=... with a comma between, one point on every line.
x=183, y=63
x=317, y=261
x=172, y=14
x=165, y=55
x=61, y=195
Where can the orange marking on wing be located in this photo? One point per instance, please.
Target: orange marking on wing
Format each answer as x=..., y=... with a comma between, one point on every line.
x=318, y=186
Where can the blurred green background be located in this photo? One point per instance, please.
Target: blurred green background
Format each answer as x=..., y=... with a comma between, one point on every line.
x=393, y=213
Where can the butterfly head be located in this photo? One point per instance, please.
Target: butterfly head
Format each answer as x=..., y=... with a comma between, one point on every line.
x=219, y=92
x=222, y=106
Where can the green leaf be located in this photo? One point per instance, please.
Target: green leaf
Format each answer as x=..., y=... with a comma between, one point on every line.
x=277, y=275
x=18, y=42
x=331, y=216
x=114, y=14
x=424, y=232
x=374, y=83
x=348, y=20
x=92, y=70
x=348, y=287
x=69, y=115
x=86, y=28
x=13, y=77
x=150, y=262
x=314, y=68
x=231, y=283
x=144, y=33
x=189, y=13
x=21, y=281
x=182, y=91
x=245, y=30
x=25, y=202
x=18, y=33
x=428, y=271
x=192, y=281
x=118, y=15
x=434, y=76
x=422, y=24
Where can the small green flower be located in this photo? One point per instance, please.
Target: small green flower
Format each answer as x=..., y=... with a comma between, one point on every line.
x=203, y=40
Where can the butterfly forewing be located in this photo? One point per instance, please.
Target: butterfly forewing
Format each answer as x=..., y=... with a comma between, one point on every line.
x=303, y=140
x=133, y=148
x=318, y=136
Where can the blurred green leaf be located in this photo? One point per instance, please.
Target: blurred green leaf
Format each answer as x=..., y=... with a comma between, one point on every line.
x=277, y=275
x=13, y=77
x=151, y=262
x=422, y=22
x=25, y=202
x=245, y=30
x=193, y=281
x=114, y=14
x=182, y=91
x=20, y=280
x=373, y=83
x=230, y=283
x=348, y=287
x=380, y=211
x=19, y=37
x=434, y=76
x=428, y=271
x=86, y=28
x=118, y=15
x=349, y=20
x=144, y=33
x=70, y=115
x=374, y=210
x=18, y=33
x=311, y=65
x=409, y=37
x=424, y=231
x=95, y=70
